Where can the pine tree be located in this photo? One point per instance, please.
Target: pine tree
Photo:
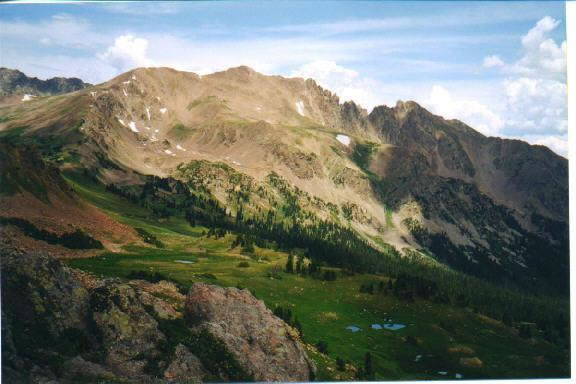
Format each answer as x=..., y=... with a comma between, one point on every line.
x=299, y=262
x=340, y=364
x=368, y=365
x=296, y=324
x=290, y=263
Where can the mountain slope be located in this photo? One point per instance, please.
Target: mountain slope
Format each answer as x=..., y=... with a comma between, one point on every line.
x=16, y=86
x=396, y=175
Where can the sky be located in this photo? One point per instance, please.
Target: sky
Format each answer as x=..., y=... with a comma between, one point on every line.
x=500, y=67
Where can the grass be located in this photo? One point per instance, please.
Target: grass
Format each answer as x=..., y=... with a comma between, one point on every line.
x=180, y=132
x=325, y=308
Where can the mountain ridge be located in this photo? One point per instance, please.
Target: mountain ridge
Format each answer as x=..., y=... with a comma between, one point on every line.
x=151, y=120
x=262, y=197
x=15, y=83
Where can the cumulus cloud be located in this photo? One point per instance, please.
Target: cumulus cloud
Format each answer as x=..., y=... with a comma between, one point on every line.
x=542, y=56
x=558, y=144
x=535, y=106
x=441, y=102
x=346, y=83
x=534, y=92
x=127, y=52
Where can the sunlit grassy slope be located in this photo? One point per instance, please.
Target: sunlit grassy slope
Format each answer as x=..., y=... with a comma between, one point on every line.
x=326, y=308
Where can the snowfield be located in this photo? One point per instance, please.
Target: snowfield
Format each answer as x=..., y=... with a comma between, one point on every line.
x=300, y=107
x=343, y=139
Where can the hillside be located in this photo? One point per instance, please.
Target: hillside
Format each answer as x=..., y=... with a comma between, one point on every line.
x=344, y=223
x=386, y=173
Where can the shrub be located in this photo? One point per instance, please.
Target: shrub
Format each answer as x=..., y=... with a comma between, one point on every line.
x=243, y=264
x=149, y=238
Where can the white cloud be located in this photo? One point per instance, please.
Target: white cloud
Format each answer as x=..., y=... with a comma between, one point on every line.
x=558, y=144
x=535, y=105
x=541, y=57
x=327, y=72
x=345, y=82
x=127, y=52
x=493, y=61
x=477, y=115
x=58, y=30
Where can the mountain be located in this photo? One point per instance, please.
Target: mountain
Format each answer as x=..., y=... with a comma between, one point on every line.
x=389, y=244
x=399, y=175
x=15, y=83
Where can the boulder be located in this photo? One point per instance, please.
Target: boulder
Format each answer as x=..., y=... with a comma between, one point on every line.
x=129, y=333
x=264, y=345
x=471, y=362
x=185, y=367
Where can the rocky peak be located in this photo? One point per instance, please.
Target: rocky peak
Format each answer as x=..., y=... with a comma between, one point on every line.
x=14, y=82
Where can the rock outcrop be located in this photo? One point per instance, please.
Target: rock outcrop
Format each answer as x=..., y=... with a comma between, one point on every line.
x=263, y=344
x=60, y=326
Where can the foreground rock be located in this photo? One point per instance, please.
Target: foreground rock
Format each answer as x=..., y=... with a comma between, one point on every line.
x=62, y=326
x=263, y=344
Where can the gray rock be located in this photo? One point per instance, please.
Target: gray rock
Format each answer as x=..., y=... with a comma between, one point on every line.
x=263, y=344
x=129, y=333
x=185, y=367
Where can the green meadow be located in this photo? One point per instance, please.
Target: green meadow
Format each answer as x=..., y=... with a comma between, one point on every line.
x=444, y=336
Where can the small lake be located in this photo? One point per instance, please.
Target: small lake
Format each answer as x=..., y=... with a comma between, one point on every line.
x=184, y=261
x=390, y=327
x=394, y=327
x=353, y=328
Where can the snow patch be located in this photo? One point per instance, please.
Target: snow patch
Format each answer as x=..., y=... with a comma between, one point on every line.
x=133, y=77
x=235, y=162
x=158, y=98
x=148, y=112
x=121, y=121
x=167, y=151
x=300, y=107
x=343, y=139
x=180, y=148
x=125, y=94
x=126, y=82
x=132, y=126
x=28, y=97
x=163, y=110
x=156, y=130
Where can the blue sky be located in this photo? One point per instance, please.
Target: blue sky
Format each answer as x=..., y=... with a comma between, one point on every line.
x=498, y=66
